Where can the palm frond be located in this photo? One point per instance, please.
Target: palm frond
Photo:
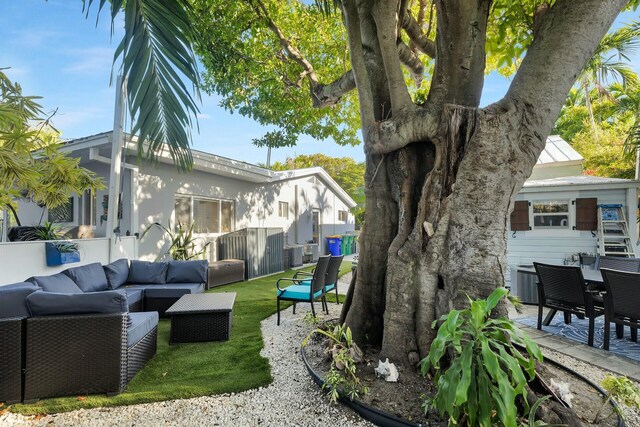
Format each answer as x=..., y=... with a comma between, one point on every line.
x=156, y=61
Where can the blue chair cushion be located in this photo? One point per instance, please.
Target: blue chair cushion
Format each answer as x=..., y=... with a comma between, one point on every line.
x=117, y=273
x=51, y=303
x=140, y=324
x=147, y=272
x=327, y=288
x=60, y=283
x=187, y=271
x=173, y=290
x=13, y=301
x=298, y=293
x=89, y=278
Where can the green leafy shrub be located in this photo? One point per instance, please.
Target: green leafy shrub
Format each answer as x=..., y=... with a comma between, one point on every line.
x=479, y=373
x=622, y=389
x=183, y=243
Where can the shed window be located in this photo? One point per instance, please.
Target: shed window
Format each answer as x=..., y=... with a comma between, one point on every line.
x=342, y=216
x=283, y=209
x=550, y=214
x=208, y=215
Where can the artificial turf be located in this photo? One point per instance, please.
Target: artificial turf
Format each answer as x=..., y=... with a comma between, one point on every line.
x=199, y=369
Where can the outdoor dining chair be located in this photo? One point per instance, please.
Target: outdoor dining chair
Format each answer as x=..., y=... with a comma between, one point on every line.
x=331, y=278
x=618, y=263
x=621, y=303
x=563, y=288
x=301, y=293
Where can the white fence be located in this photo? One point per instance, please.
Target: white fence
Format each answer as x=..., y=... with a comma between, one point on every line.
x=21, y=260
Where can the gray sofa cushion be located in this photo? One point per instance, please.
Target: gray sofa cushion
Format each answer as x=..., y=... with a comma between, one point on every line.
x=147, y=272
x=140, y=324
x=89, y=278
x=13, y=299
x=51, y=303
x=133, y=295
x=117, y=273
x=56, y=283
x=173, y=290
x=187, y=271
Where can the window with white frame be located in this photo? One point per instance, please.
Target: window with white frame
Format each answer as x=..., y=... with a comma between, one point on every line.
x=283, y=210
x=207, y=215
x=550, y=214
x=343, y=215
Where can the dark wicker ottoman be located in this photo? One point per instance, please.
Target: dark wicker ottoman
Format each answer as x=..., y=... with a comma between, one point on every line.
x=201, y=317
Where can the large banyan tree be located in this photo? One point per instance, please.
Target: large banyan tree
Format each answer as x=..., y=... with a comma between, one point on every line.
x=441, y=171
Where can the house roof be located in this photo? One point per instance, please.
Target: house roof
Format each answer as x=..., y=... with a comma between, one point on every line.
x=219, y=165
x=577, y=182
x=557, y=152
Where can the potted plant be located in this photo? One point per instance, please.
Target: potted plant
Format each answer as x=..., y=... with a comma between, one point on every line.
x=58, y=251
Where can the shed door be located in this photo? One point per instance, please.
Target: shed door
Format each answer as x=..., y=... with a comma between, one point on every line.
x=587, y=214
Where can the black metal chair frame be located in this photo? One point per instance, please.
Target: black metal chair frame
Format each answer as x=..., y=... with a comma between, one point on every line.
x=331, y=277
x=317, y=284
x=620, y=301
x=563, y=288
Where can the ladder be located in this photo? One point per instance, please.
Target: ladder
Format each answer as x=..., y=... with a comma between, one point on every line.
x=613, y=232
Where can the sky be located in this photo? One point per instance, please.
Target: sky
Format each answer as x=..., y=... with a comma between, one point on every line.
x=55, y=53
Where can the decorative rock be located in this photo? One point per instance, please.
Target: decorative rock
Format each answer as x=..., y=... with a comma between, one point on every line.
x=387, y=370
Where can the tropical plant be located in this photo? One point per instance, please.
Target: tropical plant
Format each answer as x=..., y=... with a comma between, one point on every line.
x=30, y=163
x=622, y=389
x=342, y=379
x=49, y=231
x=183, y=244
x=156, y=57
x=479, y=373
x=65, y=246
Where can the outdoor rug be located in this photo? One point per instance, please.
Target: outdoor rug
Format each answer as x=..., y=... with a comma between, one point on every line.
x=578, y=330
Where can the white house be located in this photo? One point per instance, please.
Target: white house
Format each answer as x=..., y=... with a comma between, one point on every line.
x=219, y=195
x=548, y=223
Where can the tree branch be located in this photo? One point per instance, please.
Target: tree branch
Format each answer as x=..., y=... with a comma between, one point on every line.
x=420, y=41
x=417, y=124
x=329, y=95
x=385, y=15
x=411, y=61
x=461, y=29
x=567, y=36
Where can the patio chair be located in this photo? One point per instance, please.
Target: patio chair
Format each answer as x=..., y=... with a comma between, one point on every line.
x=621, y=303
x=618, y=263
x=563, y=288
x=331, y=278
x=302, y=293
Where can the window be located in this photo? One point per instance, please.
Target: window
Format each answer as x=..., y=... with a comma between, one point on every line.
x=62, y=213
x=208, y=215
x=283, y=209
x=550, y=214
x=342, y=216
x=89, y=205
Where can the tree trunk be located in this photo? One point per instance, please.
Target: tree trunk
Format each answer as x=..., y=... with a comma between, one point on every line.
x=450, y=240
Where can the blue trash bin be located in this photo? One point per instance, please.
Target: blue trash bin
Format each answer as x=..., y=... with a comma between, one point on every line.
x=333, y=244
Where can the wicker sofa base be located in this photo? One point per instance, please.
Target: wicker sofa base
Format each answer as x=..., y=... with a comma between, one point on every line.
x=159, y=304
x=11, y=360
x=75, y=355
x=141, y=352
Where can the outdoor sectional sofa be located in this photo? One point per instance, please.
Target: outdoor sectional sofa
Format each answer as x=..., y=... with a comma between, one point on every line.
x=83, y=331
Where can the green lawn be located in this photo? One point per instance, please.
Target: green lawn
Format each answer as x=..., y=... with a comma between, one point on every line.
x=199, y=369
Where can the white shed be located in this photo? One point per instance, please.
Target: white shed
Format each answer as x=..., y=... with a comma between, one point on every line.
x=546, y=224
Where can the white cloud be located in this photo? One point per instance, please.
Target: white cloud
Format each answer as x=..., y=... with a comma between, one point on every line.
x=203, y=116
x=91, y=60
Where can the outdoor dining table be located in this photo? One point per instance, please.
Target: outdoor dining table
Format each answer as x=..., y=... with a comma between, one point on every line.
x=590, y=276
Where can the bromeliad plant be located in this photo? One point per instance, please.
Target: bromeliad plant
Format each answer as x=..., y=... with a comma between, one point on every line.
x=479, y=373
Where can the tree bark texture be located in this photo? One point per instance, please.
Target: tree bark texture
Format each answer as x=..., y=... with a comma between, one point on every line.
x=441, y=177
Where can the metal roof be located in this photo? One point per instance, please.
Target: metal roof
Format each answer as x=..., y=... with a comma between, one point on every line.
x=557, y=150
x=581, y=180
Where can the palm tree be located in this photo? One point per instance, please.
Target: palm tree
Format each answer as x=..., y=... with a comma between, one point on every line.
x=155, y=59
x=610, y=62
